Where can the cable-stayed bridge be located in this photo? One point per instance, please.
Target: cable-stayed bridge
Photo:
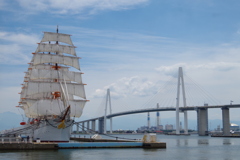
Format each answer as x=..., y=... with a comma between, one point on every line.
x=189, y=108
x=202, y=112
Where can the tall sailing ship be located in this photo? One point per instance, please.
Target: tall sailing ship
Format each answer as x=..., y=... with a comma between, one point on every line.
x=52, y=94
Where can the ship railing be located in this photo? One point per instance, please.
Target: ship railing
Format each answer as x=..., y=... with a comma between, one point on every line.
x=15, y=140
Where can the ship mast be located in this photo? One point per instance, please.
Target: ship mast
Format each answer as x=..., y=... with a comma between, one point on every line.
x=64, y=91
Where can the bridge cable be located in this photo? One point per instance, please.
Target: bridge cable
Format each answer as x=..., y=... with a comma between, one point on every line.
x=204, y=93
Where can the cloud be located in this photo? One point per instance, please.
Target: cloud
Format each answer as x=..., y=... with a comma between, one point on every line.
x=78, y=6
x=132, y=86
x=12, y=54
x=16, y=48
x=20, y=38
x=215, y=66
x=219, y=66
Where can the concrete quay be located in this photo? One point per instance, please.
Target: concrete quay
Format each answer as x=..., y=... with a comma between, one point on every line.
x=84, y=145
x=28, y=146
x=231, y=136
x=126, y=142
x=81, y=145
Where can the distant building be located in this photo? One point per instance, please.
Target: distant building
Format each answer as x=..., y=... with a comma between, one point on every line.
x=234, y=127
x=147, y=129
x=160, y=127
x=156, y=129
x=218, y=128
x=143, y=128
x=169, y=127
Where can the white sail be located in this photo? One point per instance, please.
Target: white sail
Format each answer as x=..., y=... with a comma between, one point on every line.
x=39, y=74
x=44, y=79
x=49, y=58
x=45, y=47
x=76, y=108
x=53, y=107
x=26, y=110
x=45, y=107
x=42, y=66
x=51, y=36
x=46, y=66
x=38, y=96
x=26, y=77
x=48, y=87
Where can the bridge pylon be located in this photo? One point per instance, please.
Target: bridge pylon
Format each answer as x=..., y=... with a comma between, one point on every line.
x=181, y=84
x=108, y=102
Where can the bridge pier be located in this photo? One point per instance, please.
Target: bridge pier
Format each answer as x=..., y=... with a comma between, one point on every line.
x=202, y=120
x=111, y=125
x=226, y=121
x=148, y=119
x=72, y=128
x=185, y=123
x=77, y=127
x=83, y=127
x=93, y=125
x=101, y=125
x=88, y=126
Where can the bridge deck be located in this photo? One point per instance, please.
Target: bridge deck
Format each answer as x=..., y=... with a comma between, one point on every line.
x=188, y=108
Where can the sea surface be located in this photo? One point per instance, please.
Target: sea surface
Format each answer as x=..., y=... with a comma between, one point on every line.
x=178, y=148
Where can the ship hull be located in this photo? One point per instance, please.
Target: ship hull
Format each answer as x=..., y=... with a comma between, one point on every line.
x=47, y=131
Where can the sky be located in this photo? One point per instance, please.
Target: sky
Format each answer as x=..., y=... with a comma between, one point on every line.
x=132, y=47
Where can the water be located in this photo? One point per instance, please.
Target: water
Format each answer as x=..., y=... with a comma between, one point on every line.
x=178, y=148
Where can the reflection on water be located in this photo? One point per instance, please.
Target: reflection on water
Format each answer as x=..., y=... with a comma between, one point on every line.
x=178, y=147
x=178, y=142
x=186, y=142
x=151, y=150
x=226, y=142
x=203, y=141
